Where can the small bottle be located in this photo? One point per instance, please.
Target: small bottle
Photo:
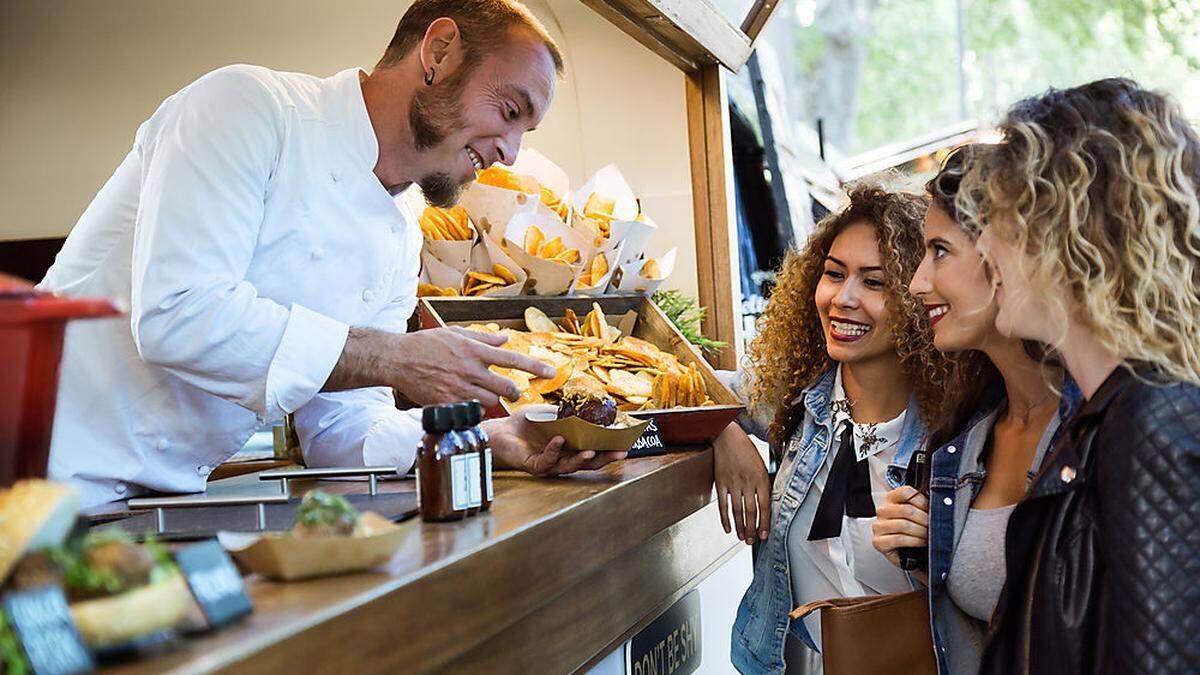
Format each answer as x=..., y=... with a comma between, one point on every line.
x=440, y=467
x=471, y=457
x=485, y=453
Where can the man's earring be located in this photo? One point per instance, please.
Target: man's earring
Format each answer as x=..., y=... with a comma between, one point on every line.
x=429, y=78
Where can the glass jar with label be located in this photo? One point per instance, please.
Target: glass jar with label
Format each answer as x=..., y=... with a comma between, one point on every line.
x=480, y=438
x=470, y=456
x=441, y=467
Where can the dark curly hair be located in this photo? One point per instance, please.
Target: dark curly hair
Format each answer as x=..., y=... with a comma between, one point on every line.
x=789, y=353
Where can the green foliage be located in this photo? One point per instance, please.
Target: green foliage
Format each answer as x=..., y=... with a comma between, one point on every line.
x=12, y=658
x=687, y=316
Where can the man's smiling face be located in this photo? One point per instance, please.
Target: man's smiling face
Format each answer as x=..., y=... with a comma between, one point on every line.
x=477, y=116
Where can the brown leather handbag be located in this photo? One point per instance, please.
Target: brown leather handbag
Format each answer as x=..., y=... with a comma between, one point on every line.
x=878, y=634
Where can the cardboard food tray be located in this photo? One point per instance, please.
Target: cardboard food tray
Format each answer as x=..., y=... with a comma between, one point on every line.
x=678, y=426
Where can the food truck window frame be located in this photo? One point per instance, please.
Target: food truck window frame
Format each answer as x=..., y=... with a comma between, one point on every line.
x=696, y=37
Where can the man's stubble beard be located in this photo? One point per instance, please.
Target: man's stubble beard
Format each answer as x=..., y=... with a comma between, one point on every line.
x=434, y=115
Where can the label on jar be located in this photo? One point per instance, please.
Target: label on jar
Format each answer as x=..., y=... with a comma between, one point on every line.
x=460, y=486
x=475, y=480
x=487, y=472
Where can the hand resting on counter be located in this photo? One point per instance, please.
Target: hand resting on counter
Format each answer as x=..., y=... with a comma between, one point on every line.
x=517, y=445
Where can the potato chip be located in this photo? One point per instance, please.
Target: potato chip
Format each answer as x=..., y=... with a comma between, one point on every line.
x=554, y=203
x=504, y=273
x=533, y=239
x=428, y=290
x=551, y=248
x=488, y=278
x=599, y=267
x=544, y=386
x=596, y=204
x=570, y=256
x=650, y=270
x=537, y=321
x=498, y=176
x=625, y=384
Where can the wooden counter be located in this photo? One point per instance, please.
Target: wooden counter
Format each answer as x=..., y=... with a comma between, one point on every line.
x=558, y=573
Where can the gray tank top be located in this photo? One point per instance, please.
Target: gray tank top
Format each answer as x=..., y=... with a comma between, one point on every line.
x=977, y=572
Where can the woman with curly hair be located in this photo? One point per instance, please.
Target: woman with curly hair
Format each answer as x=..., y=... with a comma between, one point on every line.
x=845, y=364
x=1092, y=220
x=1001, y=414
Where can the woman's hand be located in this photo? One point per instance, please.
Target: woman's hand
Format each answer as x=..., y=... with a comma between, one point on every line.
x=901, y=521
x=742, y=484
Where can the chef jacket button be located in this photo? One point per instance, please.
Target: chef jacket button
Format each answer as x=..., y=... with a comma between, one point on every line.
x=368, y=295
x=948, y=502
x=317, y=253
x=120, y=488
x=334, y=176
x=203, y=470
x=163, y=444
x=943, y=576
x=952, y=449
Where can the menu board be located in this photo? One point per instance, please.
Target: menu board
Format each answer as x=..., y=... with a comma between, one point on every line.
x=41, y=620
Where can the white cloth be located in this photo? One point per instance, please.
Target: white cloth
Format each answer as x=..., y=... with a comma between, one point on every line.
x=245, y=231
x=847, y=565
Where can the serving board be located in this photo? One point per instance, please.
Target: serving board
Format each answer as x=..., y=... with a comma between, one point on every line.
x=678, y=426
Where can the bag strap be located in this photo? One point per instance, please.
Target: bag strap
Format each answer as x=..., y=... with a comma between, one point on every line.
x=810, y=607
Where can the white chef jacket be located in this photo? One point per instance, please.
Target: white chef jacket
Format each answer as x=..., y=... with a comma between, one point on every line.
x=245, y=231
x=847, y=565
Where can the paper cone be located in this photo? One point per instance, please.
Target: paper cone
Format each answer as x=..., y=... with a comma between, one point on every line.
x=631, y=281
x=612, y=252
x=609, y=183
x=489, y=252
x=491, y=208
x=440, y=274
x=546, y=277
x=530, y=162
x=636, y=234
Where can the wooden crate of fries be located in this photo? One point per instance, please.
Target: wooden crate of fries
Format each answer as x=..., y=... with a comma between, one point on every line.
x=624, y=342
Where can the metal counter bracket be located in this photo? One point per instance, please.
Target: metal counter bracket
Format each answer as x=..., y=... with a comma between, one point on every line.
x=161, y=504
x=285, y=476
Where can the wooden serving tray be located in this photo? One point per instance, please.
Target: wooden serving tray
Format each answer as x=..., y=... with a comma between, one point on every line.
x=677, y=426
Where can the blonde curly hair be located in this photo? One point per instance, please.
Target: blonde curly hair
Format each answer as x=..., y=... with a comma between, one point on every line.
x=1098, y=185
x=789, y=353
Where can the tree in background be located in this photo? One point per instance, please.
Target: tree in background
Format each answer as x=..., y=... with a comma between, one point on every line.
x=878, y=71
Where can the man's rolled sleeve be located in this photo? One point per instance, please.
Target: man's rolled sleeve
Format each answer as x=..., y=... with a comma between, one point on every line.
x=307, y=354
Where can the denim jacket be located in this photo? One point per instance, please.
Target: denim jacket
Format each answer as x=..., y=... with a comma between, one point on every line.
x=759, y=631
x=957, y=473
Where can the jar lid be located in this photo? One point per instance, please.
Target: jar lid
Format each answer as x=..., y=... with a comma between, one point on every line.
x=462, y=415
x=437, y=419
x=474, y=412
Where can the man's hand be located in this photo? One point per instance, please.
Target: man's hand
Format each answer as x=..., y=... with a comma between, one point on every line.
x=517, y=445
x=441, y=365
x=901, y=521
x=743, y=484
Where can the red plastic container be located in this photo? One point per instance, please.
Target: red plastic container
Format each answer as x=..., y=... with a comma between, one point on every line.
x=31, y=339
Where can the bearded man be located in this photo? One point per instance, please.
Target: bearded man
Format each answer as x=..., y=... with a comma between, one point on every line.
x=253, y=233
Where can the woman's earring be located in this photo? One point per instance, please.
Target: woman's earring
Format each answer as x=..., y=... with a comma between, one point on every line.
x=429, y=78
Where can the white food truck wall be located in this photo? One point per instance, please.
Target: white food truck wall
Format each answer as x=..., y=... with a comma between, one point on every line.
x=79, y=77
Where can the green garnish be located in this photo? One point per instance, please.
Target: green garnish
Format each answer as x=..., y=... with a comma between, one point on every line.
x=319, y=508
x=687, y=317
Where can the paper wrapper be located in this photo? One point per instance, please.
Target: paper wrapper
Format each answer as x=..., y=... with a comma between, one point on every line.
x=491, y=208
x=289, y=558
x=612, y=252
x=636, y=234
x=631, y=280
x=440, y=274
x=610, y=184
x=489, y=252
x=456, y=254
x=530, y=162
x=581, y=435
x=545, y=277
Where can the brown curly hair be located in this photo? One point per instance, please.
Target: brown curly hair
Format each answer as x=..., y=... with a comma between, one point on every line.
x=789, y=353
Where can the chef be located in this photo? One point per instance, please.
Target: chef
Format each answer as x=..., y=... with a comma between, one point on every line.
x=253, y=232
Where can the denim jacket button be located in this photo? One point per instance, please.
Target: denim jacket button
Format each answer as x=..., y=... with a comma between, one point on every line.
x=948, y=501
x=952, y=450
x=943, y=576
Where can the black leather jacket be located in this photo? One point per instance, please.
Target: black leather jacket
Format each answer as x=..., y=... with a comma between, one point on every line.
x=1103, y=554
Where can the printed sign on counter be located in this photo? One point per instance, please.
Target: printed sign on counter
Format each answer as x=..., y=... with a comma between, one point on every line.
x=41, y=620
x=670, y=645
x=649, y=443
x=215, y=582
